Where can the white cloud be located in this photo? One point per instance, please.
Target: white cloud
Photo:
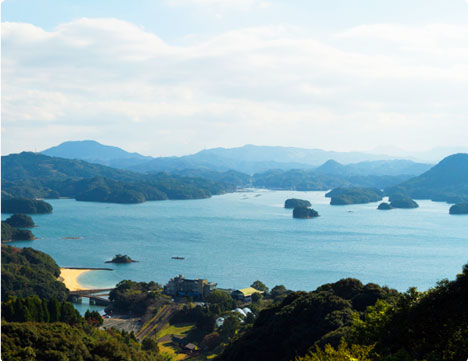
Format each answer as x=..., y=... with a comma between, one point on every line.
x=113, y=80
x=223, y=5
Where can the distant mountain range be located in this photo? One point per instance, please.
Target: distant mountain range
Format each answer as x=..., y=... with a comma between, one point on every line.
x=32, y=175
x=432, y=156
x=249, y=159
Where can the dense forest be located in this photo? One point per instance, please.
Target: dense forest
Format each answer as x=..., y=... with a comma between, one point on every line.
x=27, y=272
x=67, y=336
x=344, y=320
x=349, y=321
x=38, y=324
x=288, y=329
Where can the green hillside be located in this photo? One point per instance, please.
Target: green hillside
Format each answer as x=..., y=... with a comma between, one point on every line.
x=447, y=181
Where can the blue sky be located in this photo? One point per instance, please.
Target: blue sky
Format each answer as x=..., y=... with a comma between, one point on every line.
x=171, y=77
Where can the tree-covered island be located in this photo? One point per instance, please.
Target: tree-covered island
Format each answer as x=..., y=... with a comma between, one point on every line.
x=304, y=213
x=355, y=195
x=384, y=206
x=459, y=208
x=121, y=259
x=24, y=205
x=293, y=203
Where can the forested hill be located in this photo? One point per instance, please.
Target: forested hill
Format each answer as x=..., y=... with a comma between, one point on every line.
x=349, y=321
x=447, y=181
x=94, y=152
x=31, y=175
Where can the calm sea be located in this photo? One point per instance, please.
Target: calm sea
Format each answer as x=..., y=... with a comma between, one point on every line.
x=237, y=238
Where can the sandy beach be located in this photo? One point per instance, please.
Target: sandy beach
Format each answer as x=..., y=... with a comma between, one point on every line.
x=70, y=278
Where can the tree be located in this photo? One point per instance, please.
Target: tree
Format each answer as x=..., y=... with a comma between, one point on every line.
x=221, y=299
x=342, y=353
x=278, y=292
x=53, y=307
x=68, y=313
x=211, y=341
x=205, y=321
x=256, y=297
x=230, y=326
x=260, y=286
x=150, y=344
x=93, y=318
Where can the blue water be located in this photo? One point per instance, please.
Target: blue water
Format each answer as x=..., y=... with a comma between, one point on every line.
x=237, y=238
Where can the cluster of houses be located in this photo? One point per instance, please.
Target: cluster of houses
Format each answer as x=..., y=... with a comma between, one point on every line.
x=199, y=289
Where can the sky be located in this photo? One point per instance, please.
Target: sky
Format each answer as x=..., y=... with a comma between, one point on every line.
x=172, y=77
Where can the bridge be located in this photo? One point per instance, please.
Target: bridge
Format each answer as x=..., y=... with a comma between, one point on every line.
x=93, y=295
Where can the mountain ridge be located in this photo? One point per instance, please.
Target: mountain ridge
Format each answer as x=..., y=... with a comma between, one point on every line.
x=249, y=159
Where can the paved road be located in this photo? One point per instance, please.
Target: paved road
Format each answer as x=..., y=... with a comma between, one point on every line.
x=129, y=324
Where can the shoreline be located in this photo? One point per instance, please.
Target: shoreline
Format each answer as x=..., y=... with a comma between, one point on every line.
x=69, y=276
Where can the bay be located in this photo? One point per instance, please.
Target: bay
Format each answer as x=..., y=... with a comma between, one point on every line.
x=237, y=238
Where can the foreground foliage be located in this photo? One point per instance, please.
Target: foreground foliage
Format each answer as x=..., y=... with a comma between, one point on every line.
x=289, y=329
x=60, y=341
x=32, y=308
x=344, y=352
x=349, y=321
x=432, y=325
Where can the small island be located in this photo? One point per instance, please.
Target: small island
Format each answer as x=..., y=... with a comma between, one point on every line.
x=293, y=203
x=384, y=206
x=404, y=203
x=121, y=259
x=355, y=195
x=304, y=213
x=459, y=208
x=20, y=221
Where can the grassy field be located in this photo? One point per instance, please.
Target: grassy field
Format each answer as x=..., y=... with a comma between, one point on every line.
x=167, y=347
x=177, y=329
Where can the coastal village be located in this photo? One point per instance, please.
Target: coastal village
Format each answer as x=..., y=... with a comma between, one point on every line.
x=178, y=294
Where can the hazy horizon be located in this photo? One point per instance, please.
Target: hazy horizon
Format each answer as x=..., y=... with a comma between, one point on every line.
x=174, y=77
x=387, y=150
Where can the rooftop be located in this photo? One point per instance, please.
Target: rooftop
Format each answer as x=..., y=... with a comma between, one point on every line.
x=250, y=291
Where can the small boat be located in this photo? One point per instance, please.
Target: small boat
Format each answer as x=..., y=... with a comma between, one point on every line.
x=178, y=258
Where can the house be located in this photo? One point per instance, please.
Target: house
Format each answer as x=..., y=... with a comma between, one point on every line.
x=245, y=295
x=196, y=288
x=190, y=348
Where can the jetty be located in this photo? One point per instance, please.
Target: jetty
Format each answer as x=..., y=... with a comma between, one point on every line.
x=88, y=268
